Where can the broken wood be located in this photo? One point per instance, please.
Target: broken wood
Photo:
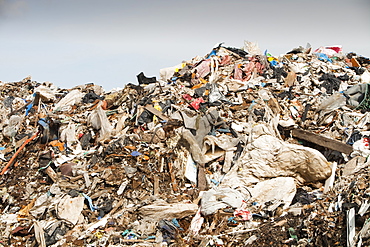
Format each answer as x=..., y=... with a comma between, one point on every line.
x=322, y=141
x=156, y=112
x=156, y=185
x=52, y=174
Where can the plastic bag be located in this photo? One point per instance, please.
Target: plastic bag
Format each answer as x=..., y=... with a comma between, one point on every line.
x=217, y=198
x=99, y=121
x=362, y=146
x=46, y=93
x=72, y=98
x=332, y=103
x=70, y=209
x=215, y=94
x=12, y=129
x=365, y=77
x=356, y=94
x=69, y=134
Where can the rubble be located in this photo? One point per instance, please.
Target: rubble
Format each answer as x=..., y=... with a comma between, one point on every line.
x=234, y=148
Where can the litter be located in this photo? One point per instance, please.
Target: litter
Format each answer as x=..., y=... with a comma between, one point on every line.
x=237, y=147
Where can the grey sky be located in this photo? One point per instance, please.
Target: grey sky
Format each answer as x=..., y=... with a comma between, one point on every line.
x=71, y=42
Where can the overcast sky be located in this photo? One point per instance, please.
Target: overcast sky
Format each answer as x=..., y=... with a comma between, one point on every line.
x=72, y=42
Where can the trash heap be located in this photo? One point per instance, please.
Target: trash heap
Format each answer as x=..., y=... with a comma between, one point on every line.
x=234, y=148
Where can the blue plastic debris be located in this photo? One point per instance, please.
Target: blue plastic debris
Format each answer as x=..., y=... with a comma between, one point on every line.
x=323, y=57
x=176, y=223
x=43, y=123
x=92, y=207
x=129, y=234
x=231, y=220
x=136, y=153
x=127, y=231
x=213, y=53
x=28, y=108
x=215, y=182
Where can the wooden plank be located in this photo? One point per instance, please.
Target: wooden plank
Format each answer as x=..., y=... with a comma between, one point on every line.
x=156, y=185
x=322, y=141
x=156, y=112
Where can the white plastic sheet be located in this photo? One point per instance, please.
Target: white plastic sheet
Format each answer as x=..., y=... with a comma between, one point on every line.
x=72, y=98
x=46, y=93
x=70, y=208
x=99, y=121
x=218, y=198
x=277, y=189
x=69, y=134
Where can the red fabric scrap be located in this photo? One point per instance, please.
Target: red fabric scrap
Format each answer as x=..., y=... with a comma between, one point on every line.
x=196, y=103
x=244, y=214
x=187, y=97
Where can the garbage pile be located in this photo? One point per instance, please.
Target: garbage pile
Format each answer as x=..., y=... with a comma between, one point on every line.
x=234, y=148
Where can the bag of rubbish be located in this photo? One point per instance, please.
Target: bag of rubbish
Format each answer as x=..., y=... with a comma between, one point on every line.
x=266, y=157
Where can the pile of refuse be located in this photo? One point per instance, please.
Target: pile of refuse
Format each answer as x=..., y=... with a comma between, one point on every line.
x=234, y=148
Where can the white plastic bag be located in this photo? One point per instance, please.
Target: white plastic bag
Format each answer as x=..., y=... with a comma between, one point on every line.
x=72, y=98
x=217, y=198
x=99, y=121
x=277, y=189
x=69, y=134
x=46, y=93
x=70, y=208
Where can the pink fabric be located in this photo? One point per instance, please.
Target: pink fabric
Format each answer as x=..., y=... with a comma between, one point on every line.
x=196, y=103
x=203, y=68
x=250, y=67
x=238, y=73
x=248, y=70
x=225, y=60
x=187, y=97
